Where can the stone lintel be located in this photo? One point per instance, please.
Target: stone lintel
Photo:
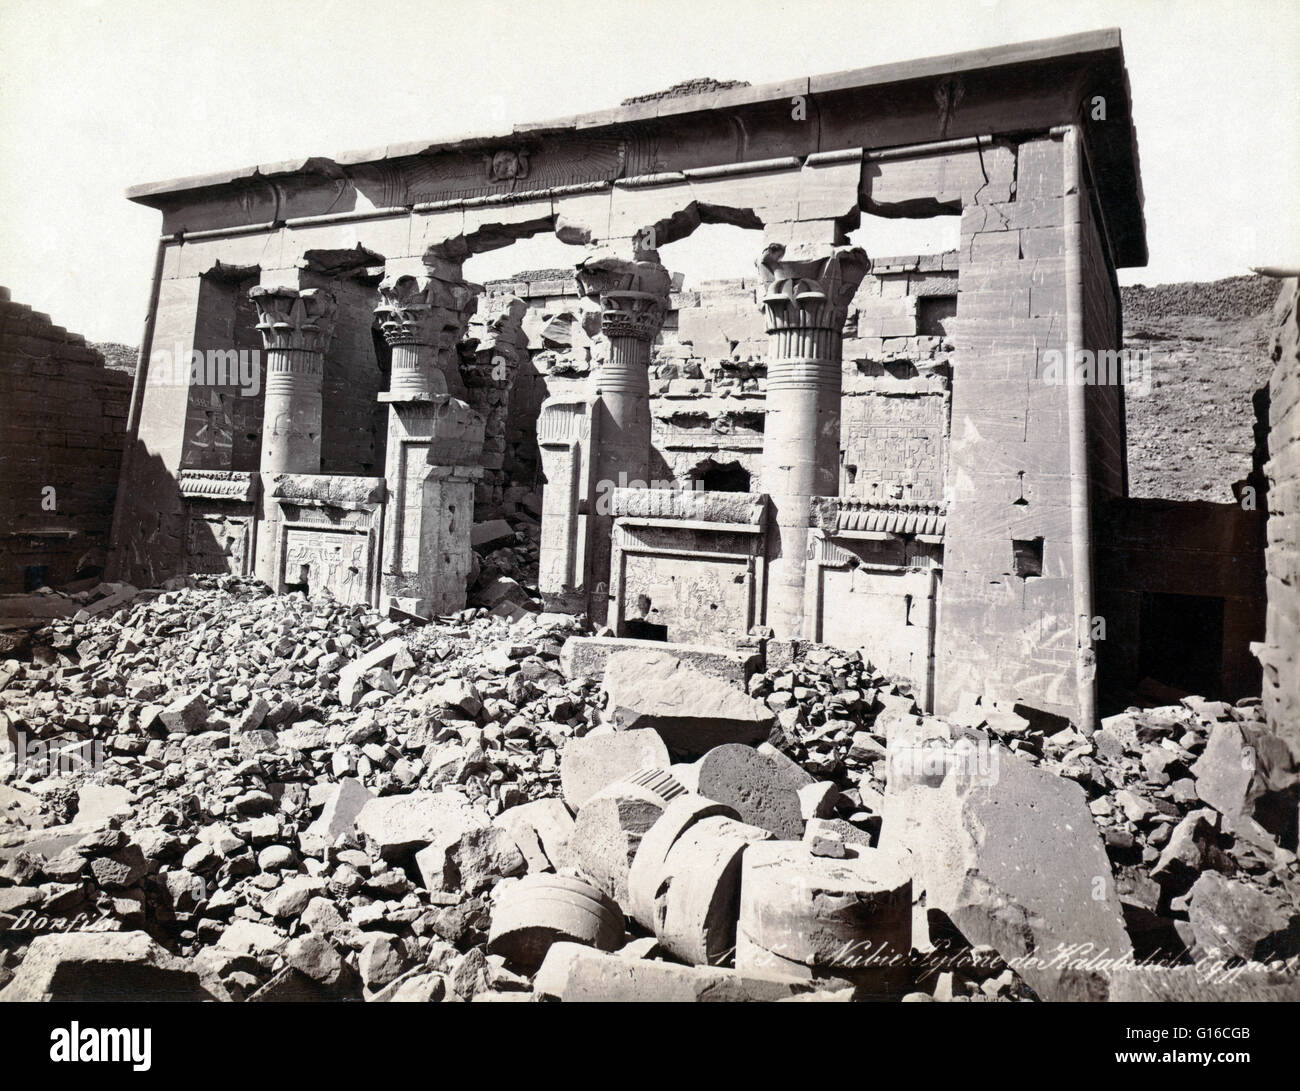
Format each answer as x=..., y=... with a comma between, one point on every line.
x=328, y=490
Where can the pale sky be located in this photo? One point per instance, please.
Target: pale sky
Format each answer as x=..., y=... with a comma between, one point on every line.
x=97, y=95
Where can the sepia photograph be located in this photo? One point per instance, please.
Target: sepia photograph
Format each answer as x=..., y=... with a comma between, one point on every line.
x=635, y=501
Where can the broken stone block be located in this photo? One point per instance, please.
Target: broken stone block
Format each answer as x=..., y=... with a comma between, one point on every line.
x=573, y=973
x=698, y=889
x=352, y=676
x=98, y=802
x=313, y=955
x=118, y=595
x=252, y=938
x=759, y=789
x=828, y=843
x=253, y=716
x=1192, y=847
x=120, y=869
x=500, y=591
x=818, y=800
x=188, y=714
x=455, y=696
x=804, y=916
x=845, y=832
x=1011, y=854
x=292, y=897
x=382, y=959
x=542, y=830
x=541, y=910
x=1247, y=774
x=472, y=862
x=595, y=761
x=692, y=711
x=102, y=967
x=396, y=826
x=490, y=535
x=588, y=656
x=1232, y=919
x=338, y=817
x=608, y=832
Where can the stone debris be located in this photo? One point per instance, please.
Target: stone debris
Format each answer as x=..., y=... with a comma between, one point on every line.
x=300, y=800
x=974, y=831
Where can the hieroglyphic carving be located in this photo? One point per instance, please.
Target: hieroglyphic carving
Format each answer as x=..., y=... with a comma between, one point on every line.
x=332, y=560
x=894, y=441
x=698, y=600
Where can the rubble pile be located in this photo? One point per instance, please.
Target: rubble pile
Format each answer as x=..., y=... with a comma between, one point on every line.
x=213, y=791
x=1197, y=804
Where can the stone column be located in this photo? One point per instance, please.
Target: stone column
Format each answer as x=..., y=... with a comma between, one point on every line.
x=296, y=325
x=805, y=303
x=633, y=297
x=435, y=443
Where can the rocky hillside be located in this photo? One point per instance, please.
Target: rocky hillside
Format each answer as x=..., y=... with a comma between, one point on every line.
x=118, y=357
x=1192, y=436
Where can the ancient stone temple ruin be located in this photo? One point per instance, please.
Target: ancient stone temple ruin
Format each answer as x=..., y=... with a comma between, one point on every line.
x=858, y=449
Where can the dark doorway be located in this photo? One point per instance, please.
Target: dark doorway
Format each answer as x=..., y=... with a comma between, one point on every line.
x=644, y=630
x=720, y=476
x=1182, y=642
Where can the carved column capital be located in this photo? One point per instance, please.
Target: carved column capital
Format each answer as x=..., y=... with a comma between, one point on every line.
x=422, y=317
x=423, y=310
x=633, y=295
x=810, y=292
x=294, y=319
